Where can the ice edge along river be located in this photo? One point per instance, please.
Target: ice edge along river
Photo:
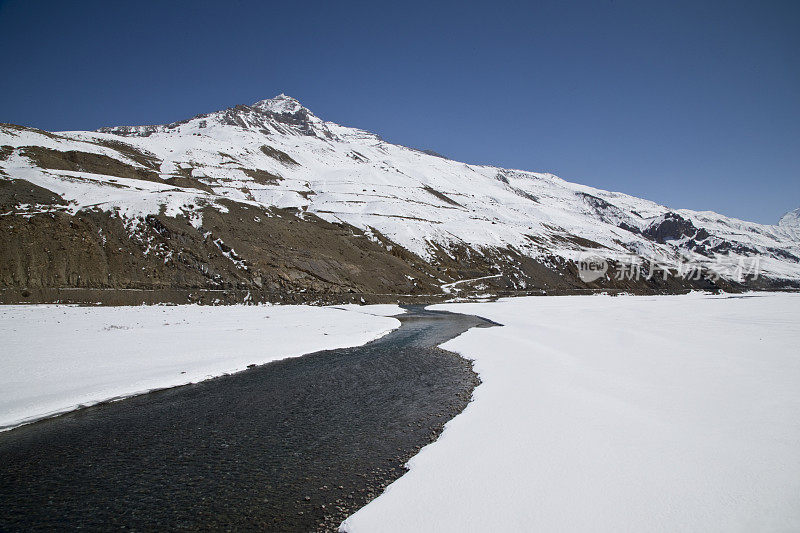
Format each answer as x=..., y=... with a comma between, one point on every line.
x=57, y=358
x=630, y=413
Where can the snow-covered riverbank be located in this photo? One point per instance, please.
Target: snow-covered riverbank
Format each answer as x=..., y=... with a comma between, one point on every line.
x=56, y=358
x=673, y=413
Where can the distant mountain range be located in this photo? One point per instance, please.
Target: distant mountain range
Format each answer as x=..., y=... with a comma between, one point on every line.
x=268, y=202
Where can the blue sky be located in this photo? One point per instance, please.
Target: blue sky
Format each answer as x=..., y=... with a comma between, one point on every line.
x=690, y=104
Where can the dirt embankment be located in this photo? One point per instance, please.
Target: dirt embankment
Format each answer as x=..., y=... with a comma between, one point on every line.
x=274, y=255
x=86, y=162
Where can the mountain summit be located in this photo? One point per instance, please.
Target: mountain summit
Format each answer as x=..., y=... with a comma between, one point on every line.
x=270, y=202
x=790, y=222
x=791, y=219
x=281, y=104
x=281, y=114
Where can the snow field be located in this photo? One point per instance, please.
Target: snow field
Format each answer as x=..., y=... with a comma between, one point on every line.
x=597, y=413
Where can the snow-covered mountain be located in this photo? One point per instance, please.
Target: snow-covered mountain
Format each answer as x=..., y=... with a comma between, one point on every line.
x=271, y=197
x=790, y=222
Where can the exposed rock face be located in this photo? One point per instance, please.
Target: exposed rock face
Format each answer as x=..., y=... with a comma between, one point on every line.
x=673, y=227
x=268, y=202
x=17, y=192
x=78, y=161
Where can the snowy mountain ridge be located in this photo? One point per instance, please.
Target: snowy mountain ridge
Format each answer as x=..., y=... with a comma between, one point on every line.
x=276, y=154
x=790, y=219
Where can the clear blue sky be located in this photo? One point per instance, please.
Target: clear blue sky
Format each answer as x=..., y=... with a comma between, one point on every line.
x=691, y=104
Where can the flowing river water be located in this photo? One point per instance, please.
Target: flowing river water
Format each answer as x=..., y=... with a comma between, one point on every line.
x=293, y=445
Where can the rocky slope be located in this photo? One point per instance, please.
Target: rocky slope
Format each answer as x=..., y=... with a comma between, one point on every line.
x=270, y=203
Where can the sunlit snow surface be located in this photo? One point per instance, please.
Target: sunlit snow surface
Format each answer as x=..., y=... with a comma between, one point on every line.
x=672, y=413
x=56, y=358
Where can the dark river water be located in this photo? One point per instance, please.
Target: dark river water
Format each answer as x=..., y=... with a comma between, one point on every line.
x=294, y=445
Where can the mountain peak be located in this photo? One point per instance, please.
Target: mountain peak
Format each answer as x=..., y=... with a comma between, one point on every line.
x=791, y=219
x=281, y=104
